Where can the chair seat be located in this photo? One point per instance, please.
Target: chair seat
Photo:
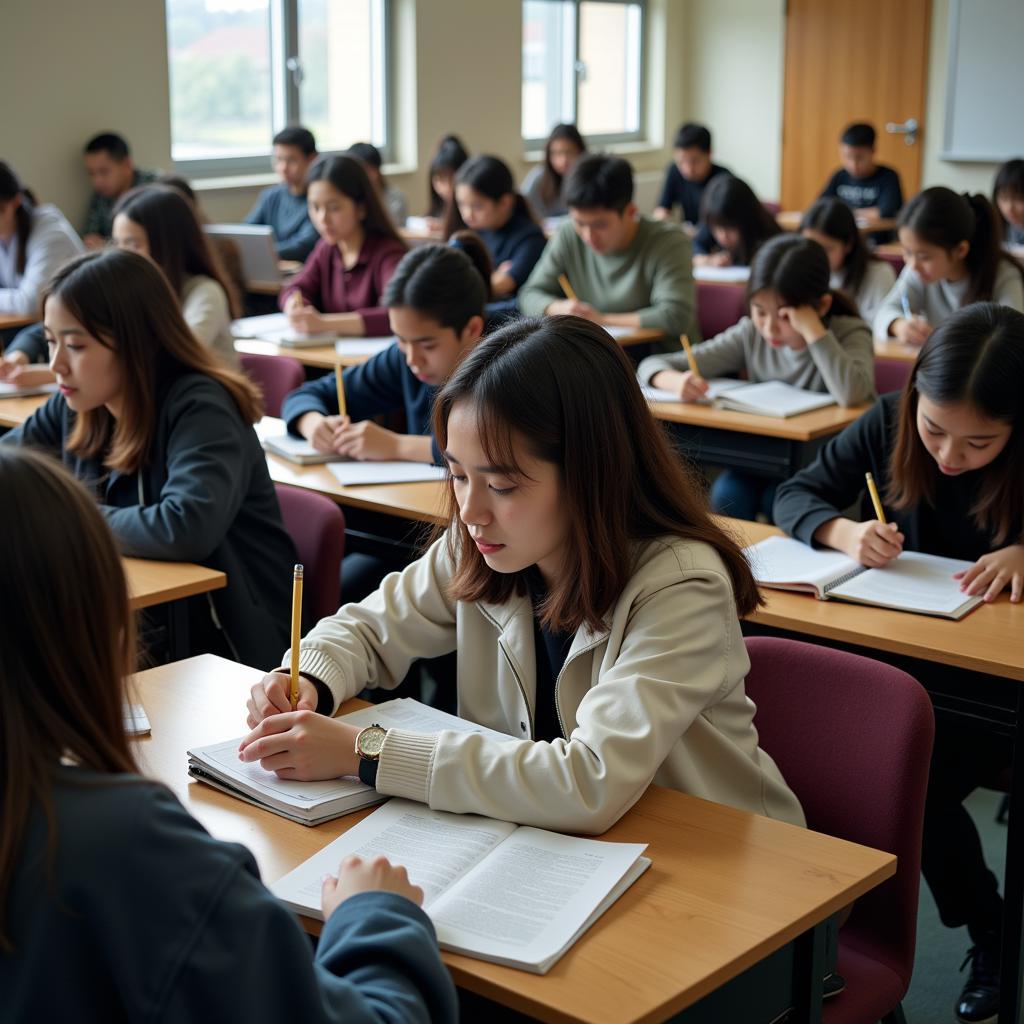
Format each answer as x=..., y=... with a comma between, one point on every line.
x=872, y=989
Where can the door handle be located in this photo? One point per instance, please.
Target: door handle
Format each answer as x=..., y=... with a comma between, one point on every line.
x=908, y=129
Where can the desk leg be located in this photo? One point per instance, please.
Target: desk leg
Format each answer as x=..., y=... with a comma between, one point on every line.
x=1013, y=912
x=177, y=630
x=808, y=975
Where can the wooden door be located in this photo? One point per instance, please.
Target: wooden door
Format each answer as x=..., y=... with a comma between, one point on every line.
x=846, y=61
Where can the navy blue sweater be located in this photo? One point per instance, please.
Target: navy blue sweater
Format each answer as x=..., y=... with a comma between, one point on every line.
x=521, y=240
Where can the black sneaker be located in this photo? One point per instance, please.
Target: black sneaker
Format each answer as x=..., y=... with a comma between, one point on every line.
x=979, y=1001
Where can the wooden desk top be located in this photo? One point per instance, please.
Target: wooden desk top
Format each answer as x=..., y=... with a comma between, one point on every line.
x=989, y=639
x=789, y=220
x=9, y=321
x=726, y=888
x=640, y=336
x=893, y=349
x=151, y=582
x=14, y=411
x=323, y=357
x=807, y=427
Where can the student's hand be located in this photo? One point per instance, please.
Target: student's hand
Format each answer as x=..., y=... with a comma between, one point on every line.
x=994, y=572
x=93, y=241
x=294, y=302
x=874, y=544
x=691, y=387
x=868, y=213
x=502, y=282
x=662, y=213
x=305, y=319
x=357, y=875
x=806, y=322
x=10, y=363
x=365, y=440
x=322, y=431
x=722, y=258
x=573, y=307
x=302, y=745
x=272, y=696
x=27, y=376
x=914, y=331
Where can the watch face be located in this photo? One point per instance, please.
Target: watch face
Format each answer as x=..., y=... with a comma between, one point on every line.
x=371, y=740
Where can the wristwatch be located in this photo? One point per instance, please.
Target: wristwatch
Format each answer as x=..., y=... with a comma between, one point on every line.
x=369, y=742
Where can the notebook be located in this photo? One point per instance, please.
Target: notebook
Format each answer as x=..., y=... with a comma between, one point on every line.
x=363, y=346
x=310, y=803
x=8, y=389
x=727, y=275
x=136, y=721
x=298, y=450
x=275, y=327
x=773, y=398
x=499, y=892
x=913, y=582
x=355, y=474
x=717, y=386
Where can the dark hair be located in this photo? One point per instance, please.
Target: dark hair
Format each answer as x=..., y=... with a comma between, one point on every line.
x=179, y=184
x=564, y=388
x=10, y=188
x=177, y=242
x=124, y=301
x=451, y=154
x=976, y=356
x=941, y=217
x=550, y=180
x=859, y=134
x=439, y=281
x=1009, y=180
x=299, y=137
x=491, y=177
x=348, y=175
x=370, y=155
x=832, y=217
x=68, y=644
x=692, y=136
x=796, y=269
x=598, y=181
x=473, y=246
x=110, y=143
x=729, y=202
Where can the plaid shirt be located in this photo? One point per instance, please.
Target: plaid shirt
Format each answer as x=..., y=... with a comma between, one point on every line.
x=100, y=218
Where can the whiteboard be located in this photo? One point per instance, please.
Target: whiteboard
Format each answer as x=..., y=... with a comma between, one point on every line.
x=985, y=83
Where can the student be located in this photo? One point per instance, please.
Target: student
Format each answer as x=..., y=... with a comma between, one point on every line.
x=159, y=222
x=112, y=171
x=339, y=289
x=953, y=258
x=870, y=188
x=592, y=600
x=451, y=154
x=392, y=198
x=116, y=903
x=283, y=207
x=735, y=224
x=542, y=187
x=162, y=434
x=799, y=331
x=946, y=456
x=688, y=174
x=626, y=270
x=1008, y=197
x=34, y=241
x=486, y=201
x=865, y=278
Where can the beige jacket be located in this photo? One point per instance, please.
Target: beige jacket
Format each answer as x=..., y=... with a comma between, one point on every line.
x=657, y=696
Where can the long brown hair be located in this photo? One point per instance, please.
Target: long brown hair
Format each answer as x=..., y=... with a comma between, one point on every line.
x=177, y=243
x=125, y=303
x=10, y=189
x=491, y=177
x=975, y=357
x=564, y=390
x=348, y=175
x=67, y=642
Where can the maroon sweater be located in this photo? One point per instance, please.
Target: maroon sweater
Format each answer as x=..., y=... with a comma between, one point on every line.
x=329, y=287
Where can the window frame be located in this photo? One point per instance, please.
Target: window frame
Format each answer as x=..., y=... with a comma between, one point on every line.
x=606, y=138
x=284, y=96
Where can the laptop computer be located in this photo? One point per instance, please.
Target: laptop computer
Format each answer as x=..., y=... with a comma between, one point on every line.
x=255, y=243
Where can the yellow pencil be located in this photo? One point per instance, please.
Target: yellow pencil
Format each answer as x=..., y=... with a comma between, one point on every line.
x=340, y=385
x=296, y=631
x=566, y=287
x=688, y=349
x=875, y=499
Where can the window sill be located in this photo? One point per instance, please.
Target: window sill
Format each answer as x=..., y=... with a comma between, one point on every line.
x=228, y=182
x=632, y=148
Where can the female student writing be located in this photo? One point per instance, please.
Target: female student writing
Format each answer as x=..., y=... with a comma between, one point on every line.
x=339, y=289
x=951, y=245
x=799, y=331
x=162, y=434
x=451, y=154
x=486, y=201
x=734, y=224
x=34, y=241
x=93, y=849
x=593, y=602
x=1008, y=196
x=542, y=187
x=866, y=279
x=946, y=456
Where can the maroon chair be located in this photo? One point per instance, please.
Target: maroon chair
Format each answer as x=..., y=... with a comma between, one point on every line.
x=853, y=738
x=773, y=206
x=891, y=374
x=317, y=526
x=719, y=306
x=275, y=377
x=894, y=259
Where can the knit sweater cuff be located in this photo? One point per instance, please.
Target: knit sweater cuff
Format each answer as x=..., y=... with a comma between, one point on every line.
x=318, y=665
x=405, y=764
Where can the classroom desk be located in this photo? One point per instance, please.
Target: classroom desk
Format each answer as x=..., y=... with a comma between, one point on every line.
x=897, y=350
x=12, y=321
x=321, y=357
x=989, y=641
x=772, y=447
x=288, y=269
x=14, y=411
x=725, y=925
x=789, y=220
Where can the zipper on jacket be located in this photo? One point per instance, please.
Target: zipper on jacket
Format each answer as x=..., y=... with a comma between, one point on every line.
x=558, y=679
x=519, y=683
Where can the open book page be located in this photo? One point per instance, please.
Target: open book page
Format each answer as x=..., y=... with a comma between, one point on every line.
x=297, y=449
x=914, y=582
x=408, y=713
x=730, y=275
x=774, y=398
x=716, y=386
x=363, y=346
x=791, y=565
x=9, y=389
x=274, y=327
x=352, y=474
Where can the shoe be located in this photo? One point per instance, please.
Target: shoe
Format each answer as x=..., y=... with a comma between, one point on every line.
x=979, y=1001
x=832, y=985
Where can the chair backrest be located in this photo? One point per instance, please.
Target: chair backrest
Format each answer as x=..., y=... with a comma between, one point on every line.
x=853, y=738
x=317, y=526
x=719, y=306
x=894, y=259
x=773, y=206
x=276, y=376
x=891, y=374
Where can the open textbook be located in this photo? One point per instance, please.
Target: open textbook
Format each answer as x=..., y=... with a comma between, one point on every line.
x=310, y=803
x=9, y=389
x=276, y=328
x=509, y=894
x=769, y=398
x=717, y=386
x=913, y=582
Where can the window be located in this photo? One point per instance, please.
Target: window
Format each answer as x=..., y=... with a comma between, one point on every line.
x=241, y=70
x=582, y=63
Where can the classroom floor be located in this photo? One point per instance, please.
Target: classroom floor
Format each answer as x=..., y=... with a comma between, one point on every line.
x=940, y=951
